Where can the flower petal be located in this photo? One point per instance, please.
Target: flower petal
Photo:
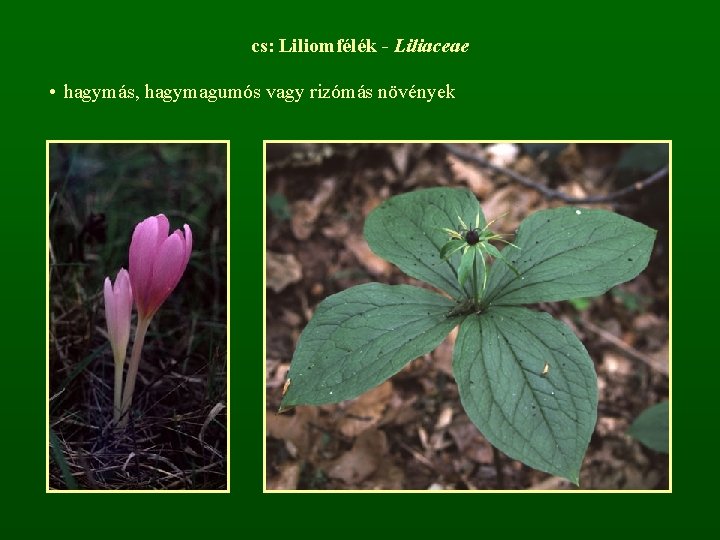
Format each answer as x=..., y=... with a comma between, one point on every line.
x=147, y=238
x=118, y=309
x=157, y=262
x=167, y=270
x=123, y=307
x=109, y=309
x=188, y=243
x=163, y=229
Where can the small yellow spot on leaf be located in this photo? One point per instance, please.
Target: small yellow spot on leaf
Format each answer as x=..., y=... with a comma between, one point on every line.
x=545, y=370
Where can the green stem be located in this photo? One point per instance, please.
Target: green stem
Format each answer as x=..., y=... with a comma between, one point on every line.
x=475, y=280
x=485, y=275
x=117, y=402
x=140, y=332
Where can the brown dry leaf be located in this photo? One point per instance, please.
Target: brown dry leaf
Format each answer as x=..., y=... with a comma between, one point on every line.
x=442, y=355
x=513, y=203
x=389, y=175
x=291, y=318
x=654, y=329
x=444, y=418
x=271, y=365
x=363, y=460
x=287, y=479
x=613, y=327
x=305, y=213
x=502, y=154
x=617, y=465
x=423, y=436
x=661, y=359
x=372, y=201
x=293, y=428
x=425, y=174
x=388, y=476
x=471, y=175
x=317, y=289
x=374, y=264
x=618, y=364
x=281, y=269
x=399, y=154
x=574, y=189
x=276, y=378
x=438, y=441
x=570, y=160
x=366, y=411
x=552, y=483
x=593, y=176
x=338, y=230
x=526, y=166
x=469, y=441
x=609, y=425
x=648, y=322
x=400, y=412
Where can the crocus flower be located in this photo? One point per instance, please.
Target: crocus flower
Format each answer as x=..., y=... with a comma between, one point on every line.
x=118, y=308
x=157, y=262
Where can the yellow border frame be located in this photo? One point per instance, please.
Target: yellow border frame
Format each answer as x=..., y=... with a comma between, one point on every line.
x=418, y=141
x=47, y=315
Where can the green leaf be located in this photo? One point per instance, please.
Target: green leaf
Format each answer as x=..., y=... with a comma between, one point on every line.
x=581, y=304
x=466, y=265
x=570, y=253
x=451, y=247
x=646, y=157
x=362, y=336
x=543, y=420
x=652, y=427
x=59, y=457
x=407, y=231
x=495, y=252
x=279, y=206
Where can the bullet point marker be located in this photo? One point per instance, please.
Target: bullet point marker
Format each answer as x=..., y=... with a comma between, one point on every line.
x=52, y=90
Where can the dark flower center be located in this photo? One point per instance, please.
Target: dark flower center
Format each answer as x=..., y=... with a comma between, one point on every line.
x=472, y=237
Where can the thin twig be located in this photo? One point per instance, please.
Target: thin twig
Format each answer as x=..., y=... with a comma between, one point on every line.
x=624, y=347
x=500, y=476
x=553, y=193
x=418, y=456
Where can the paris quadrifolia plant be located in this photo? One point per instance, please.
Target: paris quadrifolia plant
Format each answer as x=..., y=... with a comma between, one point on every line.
x=157, y=262
x=524, y=378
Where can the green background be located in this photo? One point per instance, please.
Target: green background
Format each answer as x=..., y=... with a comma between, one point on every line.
x=615, y=71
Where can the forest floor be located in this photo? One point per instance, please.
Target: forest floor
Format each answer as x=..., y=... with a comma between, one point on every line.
x=411, y=431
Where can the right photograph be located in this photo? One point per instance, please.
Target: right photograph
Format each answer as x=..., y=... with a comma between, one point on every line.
x=460, y=316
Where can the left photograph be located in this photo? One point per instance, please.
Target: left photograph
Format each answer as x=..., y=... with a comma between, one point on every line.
x=137, y=311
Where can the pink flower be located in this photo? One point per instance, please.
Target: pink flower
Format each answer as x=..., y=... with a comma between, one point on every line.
x=118, y=307
x=157, y=262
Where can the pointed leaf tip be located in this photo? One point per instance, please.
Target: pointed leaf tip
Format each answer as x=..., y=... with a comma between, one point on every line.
x=567, y=255
x=545, y=422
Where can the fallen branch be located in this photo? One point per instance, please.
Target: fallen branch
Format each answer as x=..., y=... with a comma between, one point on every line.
x=624, y=347
x=553, y=193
